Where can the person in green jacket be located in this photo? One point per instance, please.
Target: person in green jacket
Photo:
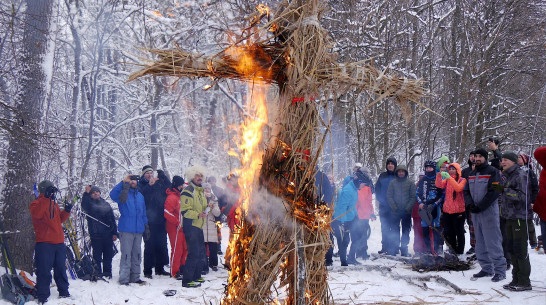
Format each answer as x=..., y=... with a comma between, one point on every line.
x=400, y=196
x=193, y=207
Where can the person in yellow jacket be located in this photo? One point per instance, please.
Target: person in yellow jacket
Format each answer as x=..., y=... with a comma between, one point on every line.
x=193, y=207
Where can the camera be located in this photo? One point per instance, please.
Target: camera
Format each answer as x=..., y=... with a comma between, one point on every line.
x=50, y=192
x=135, y=177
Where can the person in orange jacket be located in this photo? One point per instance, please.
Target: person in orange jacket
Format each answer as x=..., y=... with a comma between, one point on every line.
x=49, y=251
x=454, y=208
x=179, y=251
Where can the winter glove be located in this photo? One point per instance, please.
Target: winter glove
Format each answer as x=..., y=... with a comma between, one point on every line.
x=445, y=175
x=68, y=206
x=473, y=208
x=147, y=233
x=124, y=193
x=497, y=187
x=161, y=175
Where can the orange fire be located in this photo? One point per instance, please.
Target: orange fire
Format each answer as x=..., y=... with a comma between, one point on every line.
x=250, y=153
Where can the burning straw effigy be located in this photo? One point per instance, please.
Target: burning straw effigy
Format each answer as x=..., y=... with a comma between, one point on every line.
x=294, y=54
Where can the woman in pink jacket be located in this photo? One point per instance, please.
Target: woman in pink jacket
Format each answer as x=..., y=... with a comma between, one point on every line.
x=454, y=208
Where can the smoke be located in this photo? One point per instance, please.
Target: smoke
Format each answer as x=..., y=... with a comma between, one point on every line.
x=266, y=208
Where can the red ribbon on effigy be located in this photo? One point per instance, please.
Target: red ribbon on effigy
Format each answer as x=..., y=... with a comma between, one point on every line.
x=301, y=99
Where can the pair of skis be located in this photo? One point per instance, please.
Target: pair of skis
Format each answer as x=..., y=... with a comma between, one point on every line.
x=16, y=288
x=79, y=266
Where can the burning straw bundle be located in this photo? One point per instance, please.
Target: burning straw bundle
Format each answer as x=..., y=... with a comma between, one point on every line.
x=297, y=57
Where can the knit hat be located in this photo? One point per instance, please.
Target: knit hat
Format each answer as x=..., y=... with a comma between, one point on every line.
x=473, y=152
x=177, y=181
x=525, y=158
x=146, y=169
x=207, y=186
x=94, y=189
x=358, y=164
x=442, y=160
x=510, y=155
x=44, y=185
x=481, y=152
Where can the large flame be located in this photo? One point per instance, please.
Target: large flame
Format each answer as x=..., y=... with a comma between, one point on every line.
x=250, y=155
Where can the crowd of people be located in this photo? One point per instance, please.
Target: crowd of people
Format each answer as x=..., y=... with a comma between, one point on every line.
x=152, y=208
x=495, y=200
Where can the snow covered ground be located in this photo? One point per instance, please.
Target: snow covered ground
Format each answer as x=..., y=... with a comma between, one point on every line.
x=349, y=285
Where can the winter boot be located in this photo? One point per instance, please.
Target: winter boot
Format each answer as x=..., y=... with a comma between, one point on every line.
x=481, y=274
x=521, y=288
x=510, y=285
x=498, y=278
x=161, y=272
x=191, y=285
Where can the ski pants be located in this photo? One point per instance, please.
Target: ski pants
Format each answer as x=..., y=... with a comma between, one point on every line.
x=418, y=241
x=195, y=242
x=399, y=241
x=385, y=218
x=46, y=257
x=329, y=255
x=359, y=236
x=155, y=248
x=506, y=253
x=131, y=255
x=432, y=238
x=103, y=251
x=489, y=240
x=341, y=232
x=516, y=242
x=213, y=254
x=454, y=231
x=178, y=250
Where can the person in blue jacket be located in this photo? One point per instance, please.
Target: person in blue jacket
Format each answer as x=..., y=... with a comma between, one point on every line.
x=344, y=214
x=430, y=198
x=133, y=225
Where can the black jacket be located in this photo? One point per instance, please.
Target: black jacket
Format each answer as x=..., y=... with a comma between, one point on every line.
x=101, y=210
x=324, y=189
x=154, y=198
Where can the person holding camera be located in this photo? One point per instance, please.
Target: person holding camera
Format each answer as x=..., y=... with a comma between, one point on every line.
x=154, y=190
x=49, y=251
x=102, y=227
x=133, y=225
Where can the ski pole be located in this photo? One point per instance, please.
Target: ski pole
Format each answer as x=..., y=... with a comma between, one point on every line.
x=87, y=215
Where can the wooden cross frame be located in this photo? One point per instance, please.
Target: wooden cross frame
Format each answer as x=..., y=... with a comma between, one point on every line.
x=297, y=55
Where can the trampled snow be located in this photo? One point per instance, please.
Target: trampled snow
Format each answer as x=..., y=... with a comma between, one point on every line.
x=349, y=285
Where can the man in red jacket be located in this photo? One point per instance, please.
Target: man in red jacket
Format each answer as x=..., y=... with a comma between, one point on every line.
x=49, y=251
x=174, y=227
x=540, y=203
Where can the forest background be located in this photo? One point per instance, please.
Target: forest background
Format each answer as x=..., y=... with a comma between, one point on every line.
x=67, y=113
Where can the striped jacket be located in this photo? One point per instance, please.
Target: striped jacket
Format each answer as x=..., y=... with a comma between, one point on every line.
x=478, y=189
